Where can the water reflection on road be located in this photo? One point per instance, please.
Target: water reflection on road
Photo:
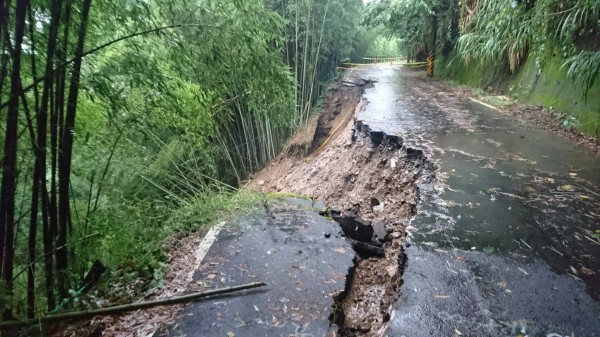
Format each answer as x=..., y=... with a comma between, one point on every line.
x=506, y=189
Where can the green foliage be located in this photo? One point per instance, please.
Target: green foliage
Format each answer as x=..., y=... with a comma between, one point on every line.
x=133, y=233
x=506, y=32
x=502, y=32
x=498, y=37
x=319, y=35
x=422, y=25
x=498, y=32
x=584, y=68
x=181, y=101
x=382, y=45
x=178, y=101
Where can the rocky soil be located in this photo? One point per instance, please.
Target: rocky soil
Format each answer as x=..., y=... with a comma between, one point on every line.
x=370, y=182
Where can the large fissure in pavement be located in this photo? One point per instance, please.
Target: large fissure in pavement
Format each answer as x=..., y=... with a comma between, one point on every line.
x=372, y=181
x=376, y=228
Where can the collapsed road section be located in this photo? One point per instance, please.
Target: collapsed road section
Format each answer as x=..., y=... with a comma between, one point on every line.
x=371, y=183
x=285, y=244
x=335, y=275
x=376, y=228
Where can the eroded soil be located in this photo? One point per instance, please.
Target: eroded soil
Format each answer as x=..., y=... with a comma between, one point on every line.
x=370, y=181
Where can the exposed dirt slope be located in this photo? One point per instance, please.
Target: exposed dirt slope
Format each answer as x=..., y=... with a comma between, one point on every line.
x=371, y=182
x=339, y=103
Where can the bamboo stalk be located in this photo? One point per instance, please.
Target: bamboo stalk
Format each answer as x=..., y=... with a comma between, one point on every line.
x=316, y=63
x=129, y=307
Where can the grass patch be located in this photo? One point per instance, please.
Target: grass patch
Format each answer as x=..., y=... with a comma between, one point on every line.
x=278, y=195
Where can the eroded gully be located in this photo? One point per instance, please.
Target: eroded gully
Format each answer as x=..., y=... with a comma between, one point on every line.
x=503, y=243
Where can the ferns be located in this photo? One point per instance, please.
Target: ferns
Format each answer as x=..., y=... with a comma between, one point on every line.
x=584, y=68
x=500, y=32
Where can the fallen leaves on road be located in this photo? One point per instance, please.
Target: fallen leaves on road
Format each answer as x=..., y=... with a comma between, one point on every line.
x=587, y=271
x=566, y=188
x=341, y=250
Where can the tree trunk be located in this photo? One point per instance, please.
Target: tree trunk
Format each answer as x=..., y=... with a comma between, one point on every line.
x=9, y=164
x=39, y=172
x=66, y=150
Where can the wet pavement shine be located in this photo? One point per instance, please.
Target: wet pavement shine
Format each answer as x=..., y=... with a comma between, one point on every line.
x=300, y=255
x=504, y=243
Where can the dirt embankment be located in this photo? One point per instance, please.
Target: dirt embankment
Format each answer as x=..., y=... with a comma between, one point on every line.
x=370, y=181
x=339, y=104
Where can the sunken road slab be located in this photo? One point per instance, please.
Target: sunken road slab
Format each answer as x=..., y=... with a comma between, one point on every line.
x=301, y=256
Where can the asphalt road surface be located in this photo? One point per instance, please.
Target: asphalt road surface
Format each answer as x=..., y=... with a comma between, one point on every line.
x=503, y=244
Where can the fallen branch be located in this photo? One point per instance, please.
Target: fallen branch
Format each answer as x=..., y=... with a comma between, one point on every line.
x=129, y=307
x=587, y=189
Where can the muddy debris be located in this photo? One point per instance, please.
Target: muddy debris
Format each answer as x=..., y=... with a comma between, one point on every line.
x=371, y=181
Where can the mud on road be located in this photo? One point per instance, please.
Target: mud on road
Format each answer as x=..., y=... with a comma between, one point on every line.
x=371, y=183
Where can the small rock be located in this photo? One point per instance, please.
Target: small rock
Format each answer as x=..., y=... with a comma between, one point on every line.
x=378, y=208
x=381, y=232
x=392, y=270
x=366, y=250
x=355, y=209
x=261, y=182
x=395, y=235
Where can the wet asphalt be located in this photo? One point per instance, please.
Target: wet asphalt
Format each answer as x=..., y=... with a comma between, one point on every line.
x=504, y=242
x=284, y=243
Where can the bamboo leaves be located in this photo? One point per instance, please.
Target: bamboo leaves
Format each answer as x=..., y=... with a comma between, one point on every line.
x=122, y=113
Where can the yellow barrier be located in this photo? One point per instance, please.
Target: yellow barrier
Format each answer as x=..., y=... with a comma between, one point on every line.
x=367, y=64
x=357, y=64
x=413, y=63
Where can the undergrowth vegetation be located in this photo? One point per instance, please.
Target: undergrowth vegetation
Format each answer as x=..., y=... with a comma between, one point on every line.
x=507, y=32
x=128, y=122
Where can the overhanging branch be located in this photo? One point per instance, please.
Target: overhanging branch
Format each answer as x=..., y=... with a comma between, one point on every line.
x=93, y=50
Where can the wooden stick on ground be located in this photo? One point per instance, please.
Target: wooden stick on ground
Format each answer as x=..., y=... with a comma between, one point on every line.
x=129, y=307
